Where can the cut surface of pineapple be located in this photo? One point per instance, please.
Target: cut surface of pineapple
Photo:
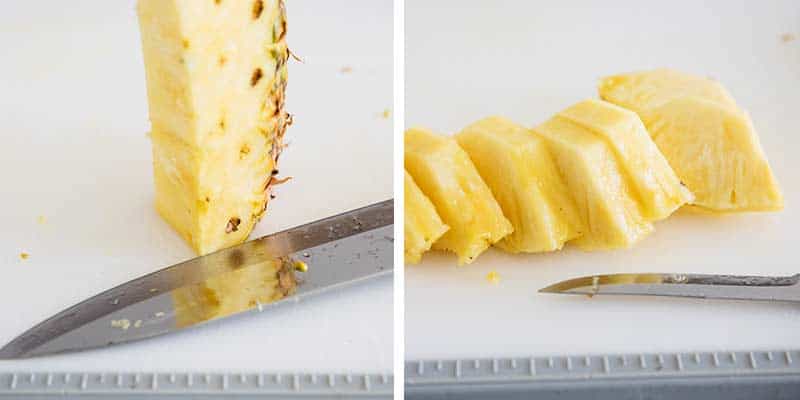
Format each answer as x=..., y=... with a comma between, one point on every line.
x=518, y=168
x=446, y=175
x=656, y=185
x=605, y=199
x=422, y=226
x=716, y=152
x=709, y=142
x=216, y=77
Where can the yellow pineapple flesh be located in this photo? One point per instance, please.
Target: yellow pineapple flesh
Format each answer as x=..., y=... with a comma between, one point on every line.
x=445, y=174
x=606, y=201
x=709, y=142
x=422, y=225
x=657, y=188
x=523, y=177
x=216, y=76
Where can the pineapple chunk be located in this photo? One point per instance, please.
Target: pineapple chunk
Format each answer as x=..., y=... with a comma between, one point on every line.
x=643, y=91
x=716, y=152
x=446, y=175
x=708, y=141
x=422, y=225
x=655, y=183
x=234, y=291
x=523, y=177
x=605, y=199
x=216, y=76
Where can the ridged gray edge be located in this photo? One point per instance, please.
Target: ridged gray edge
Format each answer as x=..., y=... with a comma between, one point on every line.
x=627, y=366
x=163, y=385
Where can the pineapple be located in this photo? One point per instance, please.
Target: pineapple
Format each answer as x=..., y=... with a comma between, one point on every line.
x=709, y=142
x=446, y=175
x=523, y=177
x=606, y=200
x=234, y=291
x=422, y=226
x=216, y=76
x=648, y=172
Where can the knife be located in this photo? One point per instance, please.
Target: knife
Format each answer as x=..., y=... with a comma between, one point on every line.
x=340, y=251
x=734, y=287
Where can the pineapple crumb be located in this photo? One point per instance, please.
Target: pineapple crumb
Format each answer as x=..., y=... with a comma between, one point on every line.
x=788, y=37
x=346, y=69
x=160, y=314
x=386, y=114
x=300, y=266
x=123, y=324
x=24, y=256
x=137, y=324
x=493, y=277
x=41, y=220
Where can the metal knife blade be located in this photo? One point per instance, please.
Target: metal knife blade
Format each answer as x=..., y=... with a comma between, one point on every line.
x=340, y=251
x=758, y=288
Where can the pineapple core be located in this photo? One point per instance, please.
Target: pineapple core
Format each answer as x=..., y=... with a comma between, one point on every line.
x=422, y=225
x=446, y=175
x=216, y=76
x=709, y=142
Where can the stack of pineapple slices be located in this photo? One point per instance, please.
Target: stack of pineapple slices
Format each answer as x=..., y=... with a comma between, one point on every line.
x=594, y=174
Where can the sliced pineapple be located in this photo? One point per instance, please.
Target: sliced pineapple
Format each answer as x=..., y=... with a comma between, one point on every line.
x=446, y=175
x=422, y=225
x=518, y=168
x=643, y=91
x=709, y=142
x=606, y=201
x=657, y=188
x=716, y=152
x=216, y=76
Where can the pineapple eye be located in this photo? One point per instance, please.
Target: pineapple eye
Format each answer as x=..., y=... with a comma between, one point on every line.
x=257, y=74
x=233, y=225
x=258, y=8
x=244, y=151
x=217, y=2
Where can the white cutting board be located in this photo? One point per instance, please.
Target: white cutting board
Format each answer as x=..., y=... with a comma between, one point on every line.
x=74, y=150
x=527, y=60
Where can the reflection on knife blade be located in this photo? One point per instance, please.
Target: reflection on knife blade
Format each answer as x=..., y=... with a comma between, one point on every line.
x=343, y=250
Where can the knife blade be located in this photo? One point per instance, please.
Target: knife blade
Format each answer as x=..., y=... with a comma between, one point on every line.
x=734, y=287
x=340, y=251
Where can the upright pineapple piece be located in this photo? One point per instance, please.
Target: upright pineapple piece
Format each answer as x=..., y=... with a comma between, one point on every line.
x=605, y=198
x=524, y=179
x=657, y=187
x=216, y=75
x=422, y=225
x=446, y=175
x=240, y=289
x=709, y=142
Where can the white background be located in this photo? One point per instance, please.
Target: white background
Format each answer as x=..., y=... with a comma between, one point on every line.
x=74, y=150
x=526, y=60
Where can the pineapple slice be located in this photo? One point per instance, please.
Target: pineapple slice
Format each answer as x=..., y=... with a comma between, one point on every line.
x=422, y=226
x=605, y=199
x=649, y=174
x=643, y=91
x=216, y=76
x=716, y=152
x=234, y=291
x=446, y=175
x=523, y=177
x=708, y=141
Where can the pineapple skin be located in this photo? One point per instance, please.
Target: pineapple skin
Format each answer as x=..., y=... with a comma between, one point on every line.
x=656, y=185
x=522, y=175
x=716, y=152
x=422, y=225
x=446, y=175
x=216, y=77
x=234, y=291
x=606, y=201
x=706, y=138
